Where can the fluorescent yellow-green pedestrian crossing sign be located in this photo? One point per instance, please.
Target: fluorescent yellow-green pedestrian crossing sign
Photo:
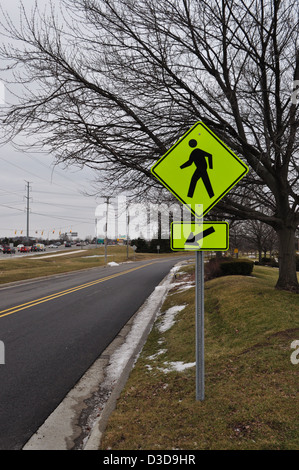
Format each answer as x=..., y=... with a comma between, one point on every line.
x=199, y=169
x=204, y=236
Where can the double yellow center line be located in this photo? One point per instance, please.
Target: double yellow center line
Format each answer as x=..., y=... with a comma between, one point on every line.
x=32, y=303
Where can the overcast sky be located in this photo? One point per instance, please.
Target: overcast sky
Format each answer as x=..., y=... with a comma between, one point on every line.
x=56, y=201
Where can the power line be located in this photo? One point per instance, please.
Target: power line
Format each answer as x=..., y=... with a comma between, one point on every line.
x=76, y=206
x=11, y=207
x=23, y=169
x=38, y=176
x=5, y=191
x=48, y=167
x=64, y=218
x=72, y=220
x=51, y=192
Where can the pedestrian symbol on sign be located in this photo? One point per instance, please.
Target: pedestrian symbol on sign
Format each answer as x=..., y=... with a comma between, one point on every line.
x=198, y=157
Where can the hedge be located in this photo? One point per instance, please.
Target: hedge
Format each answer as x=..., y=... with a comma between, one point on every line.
x=236, y=266
x=267, y=262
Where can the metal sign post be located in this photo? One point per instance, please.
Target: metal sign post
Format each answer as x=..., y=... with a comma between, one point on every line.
x=199, y=325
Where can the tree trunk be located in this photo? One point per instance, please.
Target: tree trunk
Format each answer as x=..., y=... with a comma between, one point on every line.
x=287, y=260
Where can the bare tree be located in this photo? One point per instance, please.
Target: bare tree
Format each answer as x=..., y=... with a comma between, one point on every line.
x=112, y=84
x=260, y=237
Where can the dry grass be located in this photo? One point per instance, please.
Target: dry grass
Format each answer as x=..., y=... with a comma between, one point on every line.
x=251, y=384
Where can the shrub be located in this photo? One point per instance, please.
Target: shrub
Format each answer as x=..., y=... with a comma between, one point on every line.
x=212, y=269
x=141, y=244
x=267, y=262
x=144, y=246
x=217, y=267
x=241, y=267
x=164, y=245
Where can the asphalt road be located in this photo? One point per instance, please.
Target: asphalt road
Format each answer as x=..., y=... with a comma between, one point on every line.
x=54, y=329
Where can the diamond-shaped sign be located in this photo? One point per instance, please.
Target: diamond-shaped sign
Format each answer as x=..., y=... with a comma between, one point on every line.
x=199, y=169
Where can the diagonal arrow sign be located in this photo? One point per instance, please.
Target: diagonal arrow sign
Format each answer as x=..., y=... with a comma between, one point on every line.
x=193, y=239
x=202, y=236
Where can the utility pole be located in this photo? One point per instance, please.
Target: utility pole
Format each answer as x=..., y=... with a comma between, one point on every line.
x=27, y=207
x=128, y=232
x=106, y=225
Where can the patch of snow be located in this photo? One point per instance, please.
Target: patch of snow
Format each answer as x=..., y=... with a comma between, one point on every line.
x=169, y=317
x=176, y=268
x=122, y=355
x=42, y=256
x=175, y=284
x=178, y=366
x=95, y=256
x=159, y=288
x=112, y=263
x=162, y=351
x=184, y=286
x=187, y=286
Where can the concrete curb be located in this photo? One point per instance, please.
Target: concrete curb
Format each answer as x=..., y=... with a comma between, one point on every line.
x=95, y=437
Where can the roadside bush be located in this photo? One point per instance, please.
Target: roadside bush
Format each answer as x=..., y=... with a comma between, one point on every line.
x=144, y=246
x=273, y=263
x=212, y=268
x=241, y=267
x=141, y=245
x=217, y=267
x=267, y=262
x=164, y=245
